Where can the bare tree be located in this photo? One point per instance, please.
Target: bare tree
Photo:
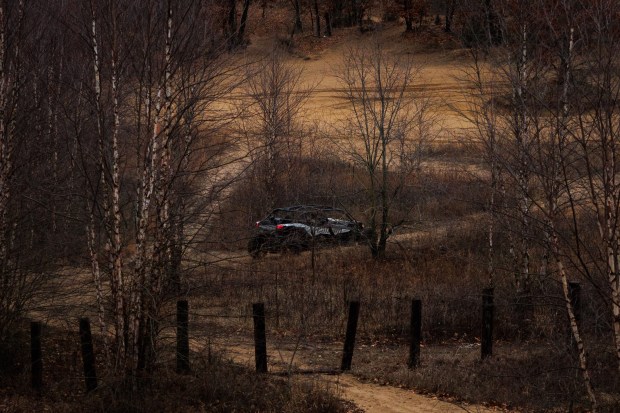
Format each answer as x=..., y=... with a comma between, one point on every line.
x=450, y=10
x=317, y=18
x=153, y=90
x=275, y=115
x=386, y=130
x=537, y=141
x=297, y=24
x=347, y=12
x=551, y=156
x=28, y=201
x=234, y=32
x=413, y=9
x=231, y=22
x=10, y=94
x=408, y=13
x=244, y=21
x=483, y=113
x=591, y=119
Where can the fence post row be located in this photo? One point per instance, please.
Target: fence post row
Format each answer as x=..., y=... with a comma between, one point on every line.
x=88, y=355
x=486, y=339
x=416, y=333
x=36, y=355
x=349, y=341
x=182, y=336
x=260, y=339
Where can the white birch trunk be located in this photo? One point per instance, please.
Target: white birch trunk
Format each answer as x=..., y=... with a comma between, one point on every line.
x=524, y=172
x=606, y=202
x=611, y=239
x=96, y=273
x=614, y=280
x=522, y=142
x=553, y=197
x=119, y=330
x=141, y=283
x=162, y=247
x=116, y=264
x=581, y=352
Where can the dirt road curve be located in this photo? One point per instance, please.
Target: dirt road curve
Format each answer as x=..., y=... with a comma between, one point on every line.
x=373, y=398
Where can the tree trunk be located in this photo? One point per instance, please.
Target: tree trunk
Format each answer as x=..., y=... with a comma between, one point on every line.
x=328, y=24
x=358, y=13
x=337, y=14
x=581, y=352
x=114, y=257
x=408, y=16
x=524, y=138
x=493, y=31
x=450, y=9
x=242, y=24
x=317, y=19
x=298, y=27
x=231, y=26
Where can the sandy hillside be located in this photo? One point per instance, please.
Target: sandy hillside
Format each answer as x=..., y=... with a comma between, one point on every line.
x=441, y=71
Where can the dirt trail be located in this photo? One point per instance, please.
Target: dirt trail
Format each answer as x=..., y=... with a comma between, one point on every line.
x=370, y=397
x=373, y=398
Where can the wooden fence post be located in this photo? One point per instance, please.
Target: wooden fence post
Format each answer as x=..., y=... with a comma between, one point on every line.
x=88, y=355
x=260, y=339
x=416, y=333
x=349, y=341
x=182, y=336
x=486, y=347
x=36, y=356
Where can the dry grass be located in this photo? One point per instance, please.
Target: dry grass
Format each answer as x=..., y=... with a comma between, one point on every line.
x=533, y=367
x=526, y=376
x=215, y=385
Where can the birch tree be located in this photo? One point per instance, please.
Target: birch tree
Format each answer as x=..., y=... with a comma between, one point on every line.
x=152, y=87
x=539, y=153
x=596, y=131
x=509, y=123
x=551, y=160
x=523, y=127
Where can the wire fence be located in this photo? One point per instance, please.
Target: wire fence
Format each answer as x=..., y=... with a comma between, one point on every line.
x=251, y=339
